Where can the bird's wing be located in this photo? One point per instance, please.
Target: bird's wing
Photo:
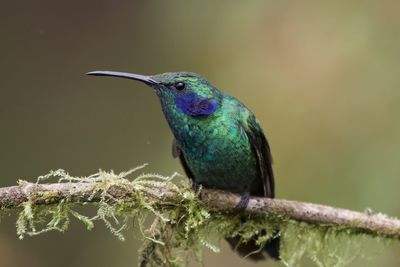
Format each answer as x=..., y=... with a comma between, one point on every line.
x=262, y=151
x=177, y=152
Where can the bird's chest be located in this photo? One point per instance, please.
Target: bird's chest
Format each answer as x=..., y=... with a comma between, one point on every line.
x=214, y=140
x=219, y=155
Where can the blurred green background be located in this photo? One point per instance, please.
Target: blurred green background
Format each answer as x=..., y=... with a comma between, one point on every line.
x=323, y=79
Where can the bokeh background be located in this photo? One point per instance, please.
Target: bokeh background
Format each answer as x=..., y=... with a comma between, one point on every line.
x=323, y=79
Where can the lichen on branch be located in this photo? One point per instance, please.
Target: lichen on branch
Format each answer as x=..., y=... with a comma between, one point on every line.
x=185, y=222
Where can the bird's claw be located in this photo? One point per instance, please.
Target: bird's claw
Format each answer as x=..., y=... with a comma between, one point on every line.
x=244, y=201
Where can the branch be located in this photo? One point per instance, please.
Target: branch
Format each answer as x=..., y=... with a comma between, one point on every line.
x=77, y=192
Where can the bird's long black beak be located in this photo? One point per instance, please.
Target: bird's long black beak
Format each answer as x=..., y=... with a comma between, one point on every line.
x=142, y=78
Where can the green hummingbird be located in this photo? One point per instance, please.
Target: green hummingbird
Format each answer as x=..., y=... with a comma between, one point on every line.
x=217, y=139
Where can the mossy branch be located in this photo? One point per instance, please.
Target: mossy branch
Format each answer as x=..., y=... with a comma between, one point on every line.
x=186, y=221
x=163, y=196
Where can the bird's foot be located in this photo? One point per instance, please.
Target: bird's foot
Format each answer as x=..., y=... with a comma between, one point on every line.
x=244, y=201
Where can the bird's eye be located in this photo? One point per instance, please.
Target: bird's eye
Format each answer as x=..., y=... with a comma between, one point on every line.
x=179, y=86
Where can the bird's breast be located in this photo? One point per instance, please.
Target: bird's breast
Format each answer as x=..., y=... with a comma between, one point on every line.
x=219, y=154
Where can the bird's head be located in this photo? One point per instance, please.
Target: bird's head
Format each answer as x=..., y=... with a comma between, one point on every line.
x=183, y=92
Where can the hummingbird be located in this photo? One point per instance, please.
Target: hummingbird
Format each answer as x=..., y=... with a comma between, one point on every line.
x=218, y=140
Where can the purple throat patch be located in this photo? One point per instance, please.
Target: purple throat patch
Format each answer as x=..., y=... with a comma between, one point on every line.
x=196, y=106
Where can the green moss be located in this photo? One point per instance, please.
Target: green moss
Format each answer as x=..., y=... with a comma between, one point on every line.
x=183, y=227
x=55, y=218
x=326, y=246
x=45, y=197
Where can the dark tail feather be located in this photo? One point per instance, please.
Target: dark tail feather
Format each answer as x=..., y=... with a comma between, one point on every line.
x=252, y=251
x=273, y=248
x=249, y=250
